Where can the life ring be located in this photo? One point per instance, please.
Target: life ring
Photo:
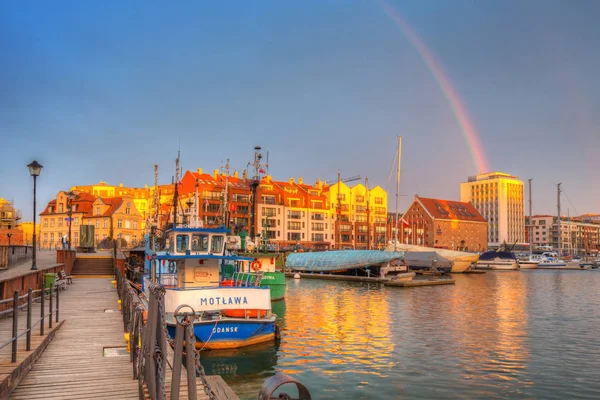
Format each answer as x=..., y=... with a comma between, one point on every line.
x=256, y=265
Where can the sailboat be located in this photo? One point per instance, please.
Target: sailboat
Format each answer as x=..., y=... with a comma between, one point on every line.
x=460, y=260
x=553, y=259
x=533, y=260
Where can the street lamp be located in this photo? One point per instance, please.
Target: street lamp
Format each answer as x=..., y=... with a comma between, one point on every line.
x=70, y=196
x=8, y=235
x=34, y=170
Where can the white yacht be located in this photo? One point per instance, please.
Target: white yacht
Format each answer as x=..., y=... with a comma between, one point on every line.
x=498, y=260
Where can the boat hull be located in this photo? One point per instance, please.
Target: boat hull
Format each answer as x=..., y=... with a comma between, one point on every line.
x=460, y=266
x=497, y=266
x=230, y=334
x=528, y=265
x=276, y=283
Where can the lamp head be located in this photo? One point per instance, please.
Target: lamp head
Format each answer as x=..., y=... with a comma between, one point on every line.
x=35, y=168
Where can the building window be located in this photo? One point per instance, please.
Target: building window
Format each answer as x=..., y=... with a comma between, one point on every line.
x=76, y=221
x=135, y=225
x=60, y=207
x=51, y=222
x=45, y=222
x=128, y=209
x=97, y=210
x=127, y=224
x=97, y=224
x=120, y=225
x=105, y=223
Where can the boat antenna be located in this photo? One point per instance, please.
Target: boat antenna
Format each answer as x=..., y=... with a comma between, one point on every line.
x=226, y=194
x=259, y=169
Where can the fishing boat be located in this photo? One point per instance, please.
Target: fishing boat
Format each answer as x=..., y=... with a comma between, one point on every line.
x=231, y=311
x=343, y=261
x=498, y=260
x=267, y=263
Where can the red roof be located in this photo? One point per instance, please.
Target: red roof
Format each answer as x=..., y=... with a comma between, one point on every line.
x=449, y=209
x=113, y=202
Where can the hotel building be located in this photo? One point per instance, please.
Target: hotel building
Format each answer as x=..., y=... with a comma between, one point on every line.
x=578, y=236
x=499, y=199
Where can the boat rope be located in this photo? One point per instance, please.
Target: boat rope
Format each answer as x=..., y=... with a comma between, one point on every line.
x=210, y=337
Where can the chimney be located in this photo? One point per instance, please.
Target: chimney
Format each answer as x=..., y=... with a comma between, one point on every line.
x=291, y=181
x=245, y=174
x=199, y=171
x=235, y=174
x=268, y=178
x=319, y=184
x=215, y=174
x=300, y=181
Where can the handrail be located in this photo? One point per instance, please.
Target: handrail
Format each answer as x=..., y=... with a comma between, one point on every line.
x=149, y=343
x=16, y=333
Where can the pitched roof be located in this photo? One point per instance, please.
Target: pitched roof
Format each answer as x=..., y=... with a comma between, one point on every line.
x=449, y=209
x=113, y=202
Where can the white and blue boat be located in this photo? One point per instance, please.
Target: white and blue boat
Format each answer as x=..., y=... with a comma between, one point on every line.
x=190, y=264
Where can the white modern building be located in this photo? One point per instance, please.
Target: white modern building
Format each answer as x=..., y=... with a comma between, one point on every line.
x=499, y=199
x=577, y=237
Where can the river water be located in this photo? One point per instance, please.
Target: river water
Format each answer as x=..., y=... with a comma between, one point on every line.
x=522, y=334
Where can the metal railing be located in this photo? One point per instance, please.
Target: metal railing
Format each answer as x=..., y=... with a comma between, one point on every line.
x=150, y=341
x=14, y=311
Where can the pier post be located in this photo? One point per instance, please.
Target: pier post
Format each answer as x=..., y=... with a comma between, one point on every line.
x=15, y=327
x=29, y=303
x=57, y=307
x=177, y=358
x=50, y=310
x=42, y=310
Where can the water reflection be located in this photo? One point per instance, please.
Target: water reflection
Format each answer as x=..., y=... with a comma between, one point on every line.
x=497, y=335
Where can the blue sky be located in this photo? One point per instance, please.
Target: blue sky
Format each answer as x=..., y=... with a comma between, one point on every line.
x=104, y=90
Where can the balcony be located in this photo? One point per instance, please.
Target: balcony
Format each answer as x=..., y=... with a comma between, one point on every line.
x=317, y=217
x=268, y=200
x=294, y=215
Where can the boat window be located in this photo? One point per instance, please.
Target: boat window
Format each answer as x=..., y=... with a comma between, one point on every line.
x=217, y=244
x=182, y=243
x=200, y=243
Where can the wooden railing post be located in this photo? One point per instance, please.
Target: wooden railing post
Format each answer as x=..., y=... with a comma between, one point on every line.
x=190, y=359
x=15, y=329
x=177, y=361
x=50, y=309
x=42, y=311
x=29, y=304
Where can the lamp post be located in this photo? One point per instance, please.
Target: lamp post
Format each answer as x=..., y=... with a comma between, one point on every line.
x=8, y=235
x=70, y=196
x=34, y=170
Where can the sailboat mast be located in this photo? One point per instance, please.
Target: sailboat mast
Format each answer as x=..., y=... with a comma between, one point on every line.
x=196, y=211
x=398, y=190
x=339, y=210
x=530, y=222
x=368, y=215
x=226, y=198
x=558, y=221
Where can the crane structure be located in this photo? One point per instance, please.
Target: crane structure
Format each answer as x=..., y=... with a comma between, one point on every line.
x=349, y=179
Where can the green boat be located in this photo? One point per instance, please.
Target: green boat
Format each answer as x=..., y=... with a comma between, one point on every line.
x=272, y=265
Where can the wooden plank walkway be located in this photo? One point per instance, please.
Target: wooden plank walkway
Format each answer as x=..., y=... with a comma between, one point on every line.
x=74, y=366
x=9, y=372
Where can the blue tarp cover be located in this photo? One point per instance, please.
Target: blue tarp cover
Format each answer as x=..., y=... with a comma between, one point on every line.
x=339, y=260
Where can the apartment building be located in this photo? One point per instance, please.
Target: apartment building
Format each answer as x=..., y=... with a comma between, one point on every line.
x=499, y=199
x=578, y=236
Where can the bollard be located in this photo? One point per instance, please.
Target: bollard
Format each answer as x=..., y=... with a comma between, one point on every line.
x=15, y=330
x=29, y=303
x=127, y=341
x=120, y=304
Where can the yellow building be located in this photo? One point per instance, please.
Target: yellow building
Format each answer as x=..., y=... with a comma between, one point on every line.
x=115, y=218
x=360, y=216
x=27, y=228
x=142, y=197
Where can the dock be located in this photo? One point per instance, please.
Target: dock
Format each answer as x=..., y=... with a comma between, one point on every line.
x=386, y=282
x=84, y=354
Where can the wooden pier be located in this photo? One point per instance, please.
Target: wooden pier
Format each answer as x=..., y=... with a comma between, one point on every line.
x=87, y=357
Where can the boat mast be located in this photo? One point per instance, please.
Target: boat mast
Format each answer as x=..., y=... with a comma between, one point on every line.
x=339, y=210
x=254, y=183
x=397, y=191
x=226, y=195
x=558, y=221
x=196, y=211
x=154, y=217
x=368, y=215
x=530, y=222
x=175, y=192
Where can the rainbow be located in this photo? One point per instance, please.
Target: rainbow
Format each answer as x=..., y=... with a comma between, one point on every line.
x=458, y=107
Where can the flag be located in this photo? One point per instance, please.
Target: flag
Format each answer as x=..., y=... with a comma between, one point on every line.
x=262, y=171
x=404, y=222
x=233, y=207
